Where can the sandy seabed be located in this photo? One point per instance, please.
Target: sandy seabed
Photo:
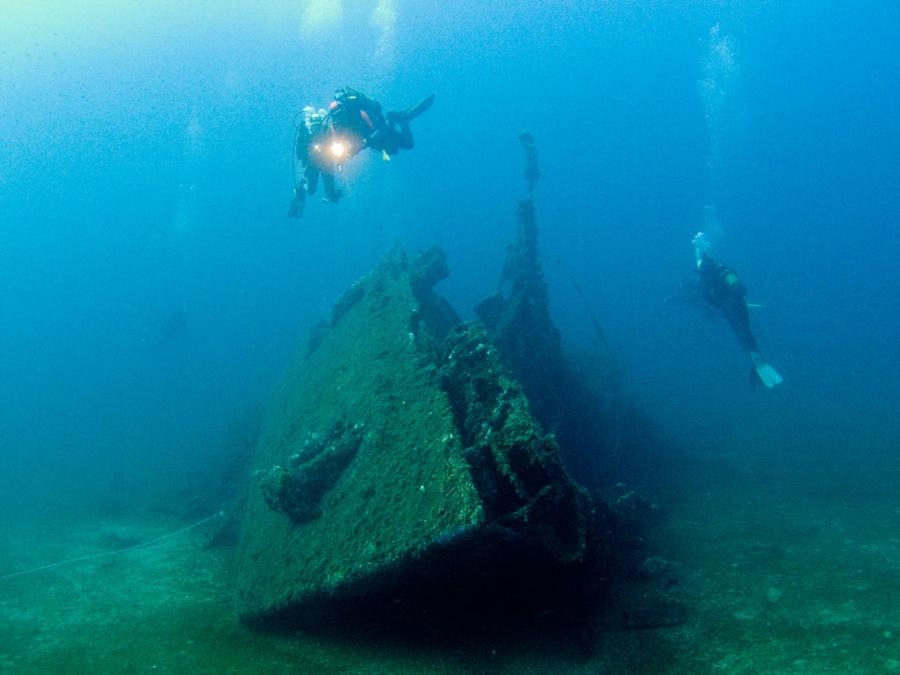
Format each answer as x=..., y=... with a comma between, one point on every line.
x=776, y=578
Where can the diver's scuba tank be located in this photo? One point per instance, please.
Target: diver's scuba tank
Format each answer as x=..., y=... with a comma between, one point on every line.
x=701, y=247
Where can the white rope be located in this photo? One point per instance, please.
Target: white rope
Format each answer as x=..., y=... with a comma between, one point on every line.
x=145, y=544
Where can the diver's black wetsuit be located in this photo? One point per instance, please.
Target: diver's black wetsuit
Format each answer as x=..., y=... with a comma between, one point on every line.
x=722, y=289
x=311, y=137
x=354, y=113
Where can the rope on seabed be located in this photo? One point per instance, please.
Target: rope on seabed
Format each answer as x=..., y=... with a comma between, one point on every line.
x=145, y=544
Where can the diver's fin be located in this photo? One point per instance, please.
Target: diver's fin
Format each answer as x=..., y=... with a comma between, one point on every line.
x=404, y=116
x=295, y=210
x=421, y=107
x=767, y=374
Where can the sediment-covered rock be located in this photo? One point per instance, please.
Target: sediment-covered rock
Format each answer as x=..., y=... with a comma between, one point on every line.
x=398, y=457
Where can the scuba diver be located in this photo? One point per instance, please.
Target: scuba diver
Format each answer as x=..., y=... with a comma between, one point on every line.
x=353, y=122
x=723, y=290
x=309, y=150
x=359, y=123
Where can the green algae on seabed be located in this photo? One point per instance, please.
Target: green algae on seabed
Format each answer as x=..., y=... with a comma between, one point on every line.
x=170, y=606
x=166, y=609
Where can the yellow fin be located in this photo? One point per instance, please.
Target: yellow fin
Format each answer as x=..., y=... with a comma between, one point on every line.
x=386, y=157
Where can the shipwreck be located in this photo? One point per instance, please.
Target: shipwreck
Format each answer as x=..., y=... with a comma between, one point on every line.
x=408, y=467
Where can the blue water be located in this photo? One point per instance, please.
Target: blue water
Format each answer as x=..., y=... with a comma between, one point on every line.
x=145, y=169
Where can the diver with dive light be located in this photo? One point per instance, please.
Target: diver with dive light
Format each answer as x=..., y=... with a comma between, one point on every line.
x=315, y=157
x=327, y=139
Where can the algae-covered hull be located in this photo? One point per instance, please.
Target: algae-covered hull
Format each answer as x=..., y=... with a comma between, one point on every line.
x=393, y=452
